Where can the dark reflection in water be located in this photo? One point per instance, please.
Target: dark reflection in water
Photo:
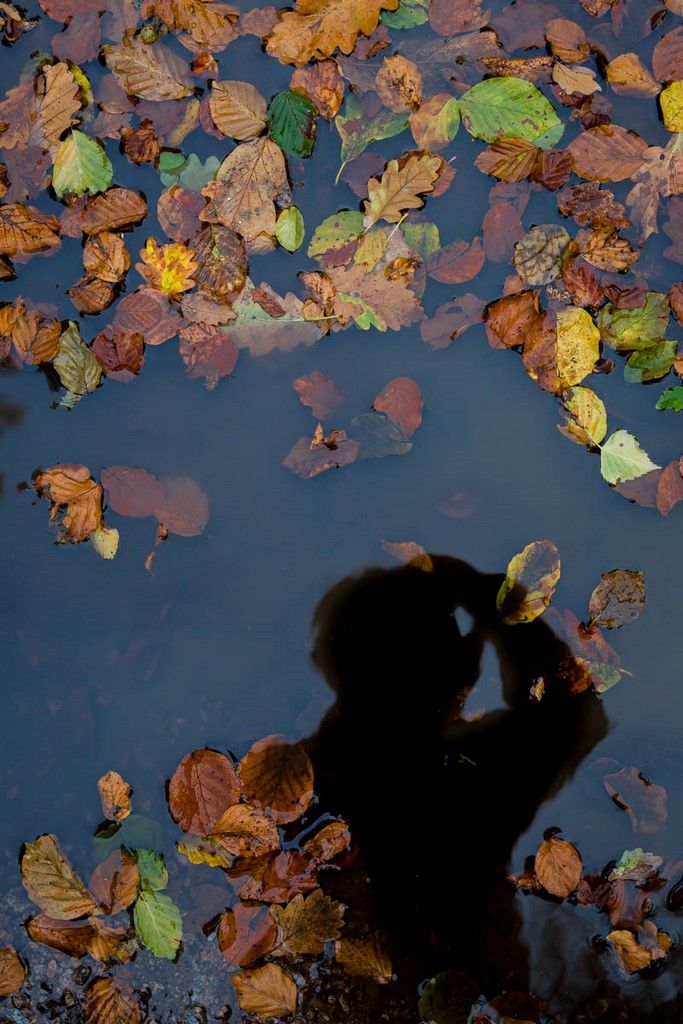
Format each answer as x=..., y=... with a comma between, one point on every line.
x=436, y=801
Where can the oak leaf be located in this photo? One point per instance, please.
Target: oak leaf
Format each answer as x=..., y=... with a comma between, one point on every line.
x=316, y=28
x=401, y=187
x=52, y=883
x=168, y=268
x=278, y=777
x=267, y=991
x=201, y=789
x=115, y=794
x=558, y=866
x=72, y=490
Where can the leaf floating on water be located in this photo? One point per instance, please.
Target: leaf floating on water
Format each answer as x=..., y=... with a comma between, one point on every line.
x=116, y=881
x=401, y=187
x=558, y=866
x=149, y=72
x=529, y=583
x=636, y=865
x=115, y=794
x=201, y=789
x=333, y=839
x=672, y=398
x=110, y=1000
x=278, y=777
x=238, y=109
x=586, y=416
x=245, y=934
x=74, y=493
x=315, y=28
x=293, y=120
x=510, y=106
x=644, y=801
x=307, y=923
x=618, y=599
x=245, y=831
x=12, y=972
x=319, y=393
x=637, y=951
x=267, y=991
x=79, y=371
x=81, y=166
x=168, y=267
x=401, y=400
x=539, y=254
x=52, y=883
x=158, y=924
x=622, y=458
x=365, y=958
x=410, y=553
x=289, y=229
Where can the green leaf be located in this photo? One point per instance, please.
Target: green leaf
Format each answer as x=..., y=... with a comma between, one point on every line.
x=627, y=330
x=622, y=458
x=187, y=171
x=81, y=166
x=358, y=131
x=293, y=120
x=135, y=832
x=672, y=398
x=153, y=871
x=423, y=238
x=79, y=371
x=408, y=14
x=378, y=436
x=510, y=106
x=334, y=231
x=650, y=363
x=158, y=924
x=289, y=229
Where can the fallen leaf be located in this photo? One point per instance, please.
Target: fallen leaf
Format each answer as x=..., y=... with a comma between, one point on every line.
x=267, y=991
x=115, y=882
x=244, y=831
x=74, y=493
x=399, y=84
x=70, y=937
x=629, y=77
x=24, y=231
x=307, y=923
x=52, y=883
x=510, y=106
x=169, y=268
x=79, y=371
x=509, y=159
x=567, y=40
x=319, y=393
x=184, y=508
x=278, y=777
x=401, y=400
x=456, y=263
x=644, y=801
x=275, y=878
x=618, y=599
x=365, y=958
x=586, y=419
x=115, y=794
x=150, y=72
x=539, y=254
x=158, y=923
x=333, y=839
x=558, y=866
x=633, y=956
x=12, y=972
x=245, y=934
x=323, y=84
x=81, y=166
x=316, y=28
x=622, y=458
x=607, y=152
x=110, y=1000
x=401, y=187
x=202, y=788
x=530, y=581
x=105, y=256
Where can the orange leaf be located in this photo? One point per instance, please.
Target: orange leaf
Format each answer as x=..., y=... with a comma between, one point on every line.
x=202, y=788
x=278, y=777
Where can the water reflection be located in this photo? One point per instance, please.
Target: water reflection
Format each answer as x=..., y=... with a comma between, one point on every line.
x=11, y=415
x=437, y=802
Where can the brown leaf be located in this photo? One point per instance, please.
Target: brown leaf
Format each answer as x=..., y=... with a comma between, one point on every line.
x=401, y=187
x=410, y=553
x=35, y=336
x=221, y=262
x=667, y=56
x=591, y=204
x=365, y=958
x=520, y=26
x=109, y=943
x=70, y=937
x=278, y=777
x=110, y=1001
x=244, y=831
x=509, y=320
x=451, y=320
x=552, y=169
x=275, y=878
x=307, y=923
x=634, y=956
x=115, y=794
x=332, y=839
x=249, y=182
x=120, y=353
x=618, y=599
x=209, y=24
x=607, y=152
x=24, y=231
x=669, y=488
x=643, y=800
x=604, y=248
x=116, y=881
x=267, y=991
x=132, y=492
x=52, y=883
x=575, y=81
x=105, y=256
x=245, y=934
x=509, y=159
x=202, y=788
x=398, y=84
x=142, y=145
x=582, y=284
x=79, y=42
x=238, y=109
x=184, y=508
x=567, y=40
x=456, y=263
x=73, y=492
x=148, y=312
x=401, y=400
x=558, y=866
x=90, y=295
x=207, y=352
x=393, y=304
x=309, y=457
x=12, y=973
x=501, y=228
x=178, y=212
x=451, y=17
x=151, y=72
x=629, y=77
x=113, y=210
x=315, y=28
x=319, y=393
x=323, y=84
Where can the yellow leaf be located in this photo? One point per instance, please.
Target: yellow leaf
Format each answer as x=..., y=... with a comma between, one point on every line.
x=168, y=268
x=578, y=345
x=399, y=187
x=587, y=419
x=105, y=542
x=530, y=580
x=315, y=28
x=671, y=102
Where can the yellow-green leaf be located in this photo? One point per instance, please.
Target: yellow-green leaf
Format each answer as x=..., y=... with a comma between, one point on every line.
x=622, y=458
x=531, y=578
x=289, y=229
x=578, y=345
x=105, y=542
x=81, y=165
x=671, y=101
x=587, y=419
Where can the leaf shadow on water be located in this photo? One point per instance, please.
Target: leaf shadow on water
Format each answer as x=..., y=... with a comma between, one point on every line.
x=435, y=802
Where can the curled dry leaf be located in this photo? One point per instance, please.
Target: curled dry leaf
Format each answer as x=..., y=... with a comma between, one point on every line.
x=245, y=831
x=110, y=1000
x=115, y=794
x=644, y=801
x=116, y=881
x=529, y=583
x=278, y=777
x=246, y=933
x=202, y=788
x=409, y=553
x=70, y=937
x=267, y=991
x=12, y=973
x=74, y=493
x=558, y=866
x=52, y=883
x=618, y=599
x=364, y=958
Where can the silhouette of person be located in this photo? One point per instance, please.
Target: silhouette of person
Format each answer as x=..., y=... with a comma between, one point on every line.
x=436, y=802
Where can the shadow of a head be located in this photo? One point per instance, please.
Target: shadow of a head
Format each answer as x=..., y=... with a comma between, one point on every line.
x=436, y=802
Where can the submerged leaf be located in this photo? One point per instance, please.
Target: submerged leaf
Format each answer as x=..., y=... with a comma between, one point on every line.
x=618, y=599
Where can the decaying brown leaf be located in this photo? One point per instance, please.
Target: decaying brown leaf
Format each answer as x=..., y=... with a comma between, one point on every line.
x=401, y=187
x=116, y=881
x=307, y=923
x=276, y=878
x=333, y=839
x=201, y=789
x=315, y=28
x=618, y=599
x=399, y=84
x=529, y=583
x=52, y=883
x=637, y=951
x=278, y=777
x=401, y=400
x=151, y=72
x=110, y=1000
x=607, y=152
x=245, y=934
x=558, y=866
x=115, y=794
x=319, y=393
x=74, y=494
x=238, y=109
x=245, y=831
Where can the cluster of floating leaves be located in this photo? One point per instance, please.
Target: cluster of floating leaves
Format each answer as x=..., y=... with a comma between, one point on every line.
x=237, y=818
x=570, y=296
